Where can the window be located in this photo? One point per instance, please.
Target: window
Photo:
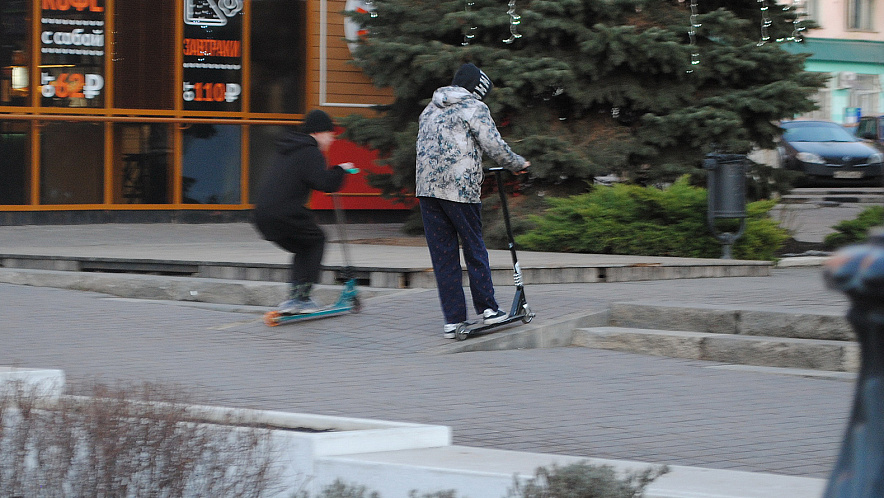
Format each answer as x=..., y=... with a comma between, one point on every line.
x=812, y=11
x=859, y=15
x=143, y=52
x=867, y=128
x=71, y=163
x=278, y=56
x=864, y=93
x=211, y=163
x=143, y=163
x=262, y=152
x=14, y=24
x=15, y=162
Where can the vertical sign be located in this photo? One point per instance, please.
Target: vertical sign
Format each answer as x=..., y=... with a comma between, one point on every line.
x=72, y=53
x=212, y=55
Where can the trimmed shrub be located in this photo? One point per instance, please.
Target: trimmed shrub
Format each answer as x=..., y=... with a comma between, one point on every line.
x=634, y=220
x=581, y=479
x=131, y=441
x=586, y=481
x=856, y=230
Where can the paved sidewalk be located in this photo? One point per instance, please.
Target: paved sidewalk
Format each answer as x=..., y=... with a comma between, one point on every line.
x=376, y=246
x=390, y=362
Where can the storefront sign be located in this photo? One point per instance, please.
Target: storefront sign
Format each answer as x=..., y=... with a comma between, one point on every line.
x=212, y=55
x=72, y=46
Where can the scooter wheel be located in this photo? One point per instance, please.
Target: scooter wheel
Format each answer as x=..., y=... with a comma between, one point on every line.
x=461, y=333
x=271, y=318
x=528, y=315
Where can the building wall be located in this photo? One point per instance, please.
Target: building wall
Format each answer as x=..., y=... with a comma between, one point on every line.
x=335, y=84
x=853, y=57
x=831, y=15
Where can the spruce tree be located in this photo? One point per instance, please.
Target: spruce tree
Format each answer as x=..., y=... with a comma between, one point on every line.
x=591, y=86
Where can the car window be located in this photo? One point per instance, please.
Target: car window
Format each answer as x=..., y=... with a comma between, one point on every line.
x=818, y=134
x=866, y=128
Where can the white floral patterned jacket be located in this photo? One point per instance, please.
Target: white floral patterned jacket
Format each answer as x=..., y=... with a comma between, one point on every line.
x=455, y=129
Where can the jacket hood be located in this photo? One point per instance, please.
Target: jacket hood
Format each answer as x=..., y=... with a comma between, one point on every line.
x=451, y=95
x=294, y=140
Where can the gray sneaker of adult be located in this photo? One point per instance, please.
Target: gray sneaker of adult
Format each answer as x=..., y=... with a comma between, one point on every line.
x=448, y=331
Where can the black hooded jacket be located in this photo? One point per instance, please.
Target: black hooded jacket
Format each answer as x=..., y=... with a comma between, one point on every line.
x=299, y=168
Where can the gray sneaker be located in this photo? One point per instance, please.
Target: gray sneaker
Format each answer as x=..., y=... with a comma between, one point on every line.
x=290, y=307
x=308, y=306
x=490, y=316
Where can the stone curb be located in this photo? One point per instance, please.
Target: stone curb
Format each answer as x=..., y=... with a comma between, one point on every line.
x=782, y=352
x=171, y=288
x=740, y=320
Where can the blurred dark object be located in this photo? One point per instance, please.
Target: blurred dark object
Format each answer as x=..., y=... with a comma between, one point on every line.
x=858, y=271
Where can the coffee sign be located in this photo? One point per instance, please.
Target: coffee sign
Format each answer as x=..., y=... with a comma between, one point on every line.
x=72, y=47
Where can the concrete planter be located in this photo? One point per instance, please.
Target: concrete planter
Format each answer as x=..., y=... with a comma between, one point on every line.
x=394, y=458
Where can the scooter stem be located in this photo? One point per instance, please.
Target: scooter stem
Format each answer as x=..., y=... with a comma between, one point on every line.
x=511, y=243
x=342, y=234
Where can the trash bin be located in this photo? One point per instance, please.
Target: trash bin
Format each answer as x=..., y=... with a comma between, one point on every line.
x=726, y=190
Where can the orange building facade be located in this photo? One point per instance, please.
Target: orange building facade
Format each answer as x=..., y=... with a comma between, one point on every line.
x=127, y=106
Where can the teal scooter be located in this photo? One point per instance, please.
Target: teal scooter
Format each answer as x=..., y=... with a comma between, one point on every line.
x=348, y=301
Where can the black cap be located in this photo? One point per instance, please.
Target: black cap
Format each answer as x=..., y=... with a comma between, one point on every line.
x=317, y=121
x=473, y=80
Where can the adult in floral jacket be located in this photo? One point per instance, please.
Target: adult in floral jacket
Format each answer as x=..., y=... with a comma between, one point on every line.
x=456, y=129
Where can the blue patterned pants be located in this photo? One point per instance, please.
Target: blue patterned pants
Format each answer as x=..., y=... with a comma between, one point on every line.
x=444, y=222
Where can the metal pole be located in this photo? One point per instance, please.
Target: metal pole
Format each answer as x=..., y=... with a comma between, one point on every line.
x=511, y=243
x=342, y=235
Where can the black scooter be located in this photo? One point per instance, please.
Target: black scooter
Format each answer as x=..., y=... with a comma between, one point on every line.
x=519, y=309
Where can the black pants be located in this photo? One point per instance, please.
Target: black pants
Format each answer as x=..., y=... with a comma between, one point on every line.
x=444, y=223
x=306, y=248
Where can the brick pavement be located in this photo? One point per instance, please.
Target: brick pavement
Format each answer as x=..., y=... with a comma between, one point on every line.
x=386, y=363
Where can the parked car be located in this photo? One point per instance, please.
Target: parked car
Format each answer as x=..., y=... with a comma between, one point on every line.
x=871, y=128
x=828, y=154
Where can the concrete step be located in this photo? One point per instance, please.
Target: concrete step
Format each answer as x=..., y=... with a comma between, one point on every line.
x=172, y=288
x=800, y=340
x=781, y=352
x=409, y=271
x=799, y=324
x=862, y=195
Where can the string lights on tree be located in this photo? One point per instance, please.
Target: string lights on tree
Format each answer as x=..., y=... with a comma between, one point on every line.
x=765, y=22
x=796, y=36
x=797, y=27
x=515, y=20
x=470, y=32
x=692, y=34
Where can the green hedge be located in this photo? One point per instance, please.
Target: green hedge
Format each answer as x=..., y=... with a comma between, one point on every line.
x=855, y=230
x=634, y=220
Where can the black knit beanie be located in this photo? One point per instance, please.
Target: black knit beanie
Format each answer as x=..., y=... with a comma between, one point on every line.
x=473, y=80
x=317, y=121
